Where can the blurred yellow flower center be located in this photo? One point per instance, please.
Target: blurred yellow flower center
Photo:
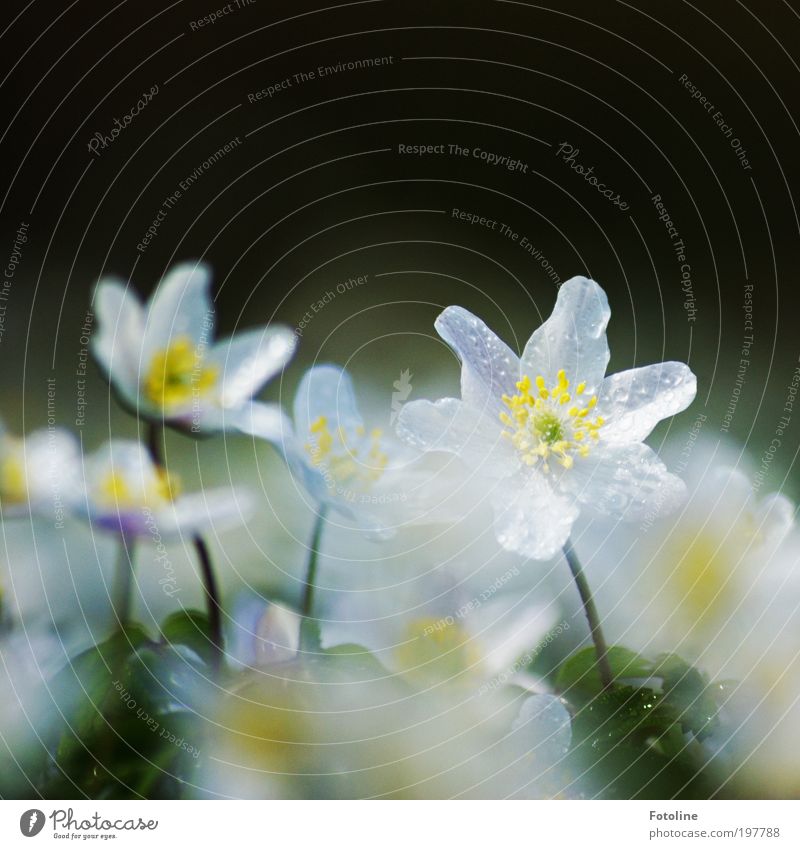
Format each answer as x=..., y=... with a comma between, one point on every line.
x=702, y=571
x=436, y=649
x=13, y=481
x=342, y=461
x=115, y=490
x=550, y=423
x=177, y=375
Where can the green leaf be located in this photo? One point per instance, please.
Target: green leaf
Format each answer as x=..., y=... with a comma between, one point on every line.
x=132, y=726
x=192, y=629
x=688, y=692
x=578, y=678
x=627, y=743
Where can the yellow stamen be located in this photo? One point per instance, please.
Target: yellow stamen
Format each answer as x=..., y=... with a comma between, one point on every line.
x=177, y=375
x=540, y=428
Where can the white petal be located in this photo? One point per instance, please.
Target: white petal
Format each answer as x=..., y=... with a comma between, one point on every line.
x=265, y=421
x=774, y=517
x=489, y=368
x=573, y=338
x=196, y=512
x=249, y=359
x=633, y=402
x=624, y=481
x=509, y=629
x=326, y=391
x=117, y=339
x=453, y=426
x=180, y=307
x=277, y=636
x=52, y=467
x=530, y=518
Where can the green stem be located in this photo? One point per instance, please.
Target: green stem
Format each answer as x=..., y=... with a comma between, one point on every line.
x=213, y=605
x=601, y=649
x=309, y=634
x=123, y=579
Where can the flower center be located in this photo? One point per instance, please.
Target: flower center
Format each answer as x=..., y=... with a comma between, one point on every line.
x=342, y=462
x=436, y=650
x=177, y=374
x=546, y=423
x=13, y=480
x=700, y=572
x=115, y=491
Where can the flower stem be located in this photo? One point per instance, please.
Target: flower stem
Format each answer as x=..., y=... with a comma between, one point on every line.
x=123, y=581
x=309, y=632
x=601, y=649
x=213, y=606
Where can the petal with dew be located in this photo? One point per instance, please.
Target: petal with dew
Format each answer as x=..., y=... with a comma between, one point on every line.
x=489, y=368
x=624, y=481
x=453, y=426
x=573, y=338
x=531, y=519
x=633, y=402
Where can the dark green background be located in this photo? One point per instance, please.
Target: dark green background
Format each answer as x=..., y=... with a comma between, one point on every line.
x=302, y=205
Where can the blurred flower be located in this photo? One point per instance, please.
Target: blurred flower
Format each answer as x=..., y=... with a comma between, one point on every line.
x=718, y=584
x=262, y=633
x=126, y=492
x=38, y=472
x=547, y=434
x=30, y=707
x=433, y=631
x=162, y=361
x=698, y=583
x=366, y=477
x=341, y=727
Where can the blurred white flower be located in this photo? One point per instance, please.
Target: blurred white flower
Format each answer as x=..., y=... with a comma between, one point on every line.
x=341, y=727
x=432, y=631
x=127, y=493
x=28, y=709
x=703, y=583
x=547, y=434
x=263, y=633
x=163, y=363
x=717, y=583
x=38, y=473
x=366, y=477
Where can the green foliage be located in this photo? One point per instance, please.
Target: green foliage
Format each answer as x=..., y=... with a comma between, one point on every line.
x=132, y=725
x=578, y=678
x=640, y=738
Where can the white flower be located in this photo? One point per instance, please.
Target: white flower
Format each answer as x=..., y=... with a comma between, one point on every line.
x=717, y=583
x=432, y=630
x=546, y=433
x=263, y=633
x=161, y=359
x=356, y=471
x=711, y=583
x=38, y=473
x=127, y=493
